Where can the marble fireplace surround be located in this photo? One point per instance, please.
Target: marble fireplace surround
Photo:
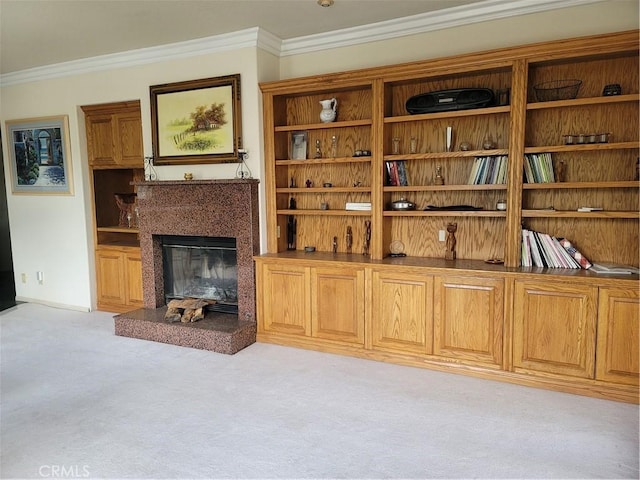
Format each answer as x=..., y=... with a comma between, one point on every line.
x=208, y=208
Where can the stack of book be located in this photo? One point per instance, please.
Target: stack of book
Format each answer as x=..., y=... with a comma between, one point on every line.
x=543, y=250
x=538, y=168
x=397, y=173
x=488, y=170
x=358, y=206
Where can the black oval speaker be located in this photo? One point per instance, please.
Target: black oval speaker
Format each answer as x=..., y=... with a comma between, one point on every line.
x=445, y=100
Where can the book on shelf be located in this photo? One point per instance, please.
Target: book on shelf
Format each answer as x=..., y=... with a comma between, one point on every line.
x=538, y=168
x=358, y=206
x=543, y=250
x=488, y=170
x=613, y=269
x=575, y=253
x=397, y=173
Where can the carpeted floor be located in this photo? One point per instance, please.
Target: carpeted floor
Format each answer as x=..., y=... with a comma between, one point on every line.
x=79, y=402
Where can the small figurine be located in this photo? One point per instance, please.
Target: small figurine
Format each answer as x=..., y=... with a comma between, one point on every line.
x=318, y=150
x=488, y=143
x=349, y=239
x=367, y=237
x=308, y=183
x=439, y=180
x=450, y=253
x=334, y=146
x=293, y=183
x=291, y=233
x=292, y=203
x=335, y=244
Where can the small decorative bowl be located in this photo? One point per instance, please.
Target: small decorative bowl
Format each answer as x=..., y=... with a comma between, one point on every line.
x=557, y=90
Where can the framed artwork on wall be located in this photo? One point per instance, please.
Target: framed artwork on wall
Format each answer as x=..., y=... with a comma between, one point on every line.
x=39, y=157
x=197, y=121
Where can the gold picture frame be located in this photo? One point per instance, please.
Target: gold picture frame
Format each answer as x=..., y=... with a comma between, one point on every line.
x=196, y=121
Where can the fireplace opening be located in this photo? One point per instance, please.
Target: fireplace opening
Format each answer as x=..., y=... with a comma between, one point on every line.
x=201, y=267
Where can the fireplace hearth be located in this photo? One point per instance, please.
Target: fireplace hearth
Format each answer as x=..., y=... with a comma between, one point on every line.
x=213, y=225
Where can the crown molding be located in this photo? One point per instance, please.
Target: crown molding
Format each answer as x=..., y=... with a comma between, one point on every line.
x=422, y=23
x=260, y=38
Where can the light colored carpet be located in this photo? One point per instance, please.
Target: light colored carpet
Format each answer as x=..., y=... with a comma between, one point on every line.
x=80, y=401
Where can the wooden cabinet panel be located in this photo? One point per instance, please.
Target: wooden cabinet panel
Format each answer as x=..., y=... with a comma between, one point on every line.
x=128, y=147
x=617, y=356
x=285, y=294
x=468, y=319
x=110, y=277
x=402, y=312
x=554, y=328
x=119, y=278
x=133, y=272
x=337, y=304
x=100, y=140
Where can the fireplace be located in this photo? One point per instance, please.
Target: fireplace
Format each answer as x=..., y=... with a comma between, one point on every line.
x=201, y=267
x=206, y=232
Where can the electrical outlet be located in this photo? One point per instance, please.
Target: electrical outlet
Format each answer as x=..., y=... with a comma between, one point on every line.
x=24, y=277
x=442, y=235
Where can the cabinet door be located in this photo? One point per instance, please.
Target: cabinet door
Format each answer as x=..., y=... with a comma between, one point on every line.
x=100, y=140
x=554, y=328
x=402, y=312
x=337, y=304
x=110, y=278
x=128, y=144
x=284, y=291
x=617, y=355
x=468, y=318
x=133, y=283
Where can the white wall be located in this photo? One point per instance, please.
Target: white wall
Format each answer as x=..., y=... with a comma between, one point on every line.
x=53, y=233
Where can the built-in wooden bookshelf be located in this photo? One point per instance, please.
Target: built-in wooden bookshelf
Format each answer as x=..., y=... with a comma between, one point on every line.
x=425, y=299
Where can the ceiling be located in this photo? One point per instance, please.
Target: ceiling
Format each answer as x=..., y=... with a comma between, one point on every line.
x=36, y=33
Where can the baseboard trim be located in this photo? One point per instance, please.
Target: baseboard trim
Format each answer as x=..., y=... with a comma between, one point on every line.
x=65, y=306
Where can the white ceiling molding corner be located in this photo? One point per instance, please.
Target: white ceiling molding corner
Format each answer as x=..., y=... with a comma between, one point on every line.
x=191, y=48
x=425, y=22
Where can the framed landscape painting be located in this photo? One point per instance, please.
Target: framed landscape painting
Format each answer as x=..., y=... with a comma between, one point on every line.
x=197, y=121
x=39, y=157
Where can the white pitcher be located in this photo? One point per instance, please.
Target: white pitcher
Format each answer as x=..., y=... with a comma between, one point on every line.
x=328, y=113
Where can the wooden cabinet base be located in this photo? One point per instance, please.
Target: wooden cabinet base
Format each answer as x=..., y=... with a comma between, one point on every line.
x=590, y=388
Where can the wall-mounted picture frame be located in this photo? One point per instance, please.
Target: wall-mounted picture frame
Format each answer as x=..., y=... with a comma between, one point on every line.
x=39, y=156
x=298, y=145
x=197, y=121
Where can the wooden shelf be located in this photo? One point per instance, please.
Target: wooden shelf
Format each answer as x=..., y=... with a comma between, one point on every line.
x=443, y=155
x=323, y=161
x=117, y=230
x=572, y=185
x=445, y=213
x=321, y=126
x=333, y=213
x=579, y=102
x=585, y=147
x=635, y=215
x=446, y=188
x=324, y=190
x=450, y=114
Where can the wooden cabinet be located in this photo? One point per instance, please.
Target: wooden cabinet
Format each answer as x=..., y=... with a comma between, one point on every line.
x=554, y=328
x=402, y=312
x=468, y=319
x=114, y=134
x=617, y=358
x=337, y=304
x=530, y=324
x=114, y=153
x=283, y=297
x=307, y=301
x=119, y=278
